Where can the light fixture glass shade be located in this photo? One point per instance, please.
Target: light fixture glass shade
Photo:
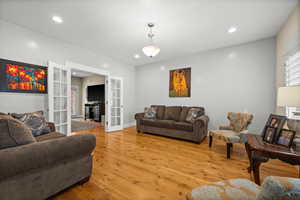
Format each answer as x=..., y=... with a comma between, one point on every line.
x=289, y=96
x=151, y=50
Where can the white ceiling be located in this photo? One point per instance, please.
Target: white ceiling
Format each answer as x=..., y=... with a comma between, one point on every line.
x=117, y=28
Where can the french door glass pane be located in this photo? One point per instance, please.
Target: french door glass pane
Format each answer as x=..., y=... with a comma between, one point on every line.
x=56, y=89
x=64, y=90
x=57, y=118
x=64, y=101
x=116, y=103
x=64, y=76
x=56, y=103
x=64, y=116
x=116, y=121
x=56, y=74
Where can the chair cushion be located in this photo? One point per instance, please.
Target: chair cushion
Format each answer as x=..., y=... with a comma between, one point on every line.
x=150, y=113
x=183, y=126
x=280, y=188
x=227, y=135
x=172, y=113
x=35, y=121
x=234, y=189
x=13, y=132
x=160, y=111
x=158, y=123
x=49, y=136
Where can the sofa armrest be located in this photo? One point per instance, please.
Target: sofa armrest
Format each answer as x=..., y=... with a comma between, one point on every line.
x=279, y=188
x=21, y=159
x=200, y=126
x=139, y=116
x=201, y=121
x=51, y=125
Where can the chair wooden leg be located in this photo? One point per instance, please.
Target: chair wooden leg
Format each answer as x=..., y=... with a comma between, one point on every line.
x=229, y=146
x=210, y=140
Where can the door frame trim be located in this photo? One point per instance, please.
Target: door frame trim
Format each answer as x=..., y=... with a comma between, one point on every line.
x=97, y=71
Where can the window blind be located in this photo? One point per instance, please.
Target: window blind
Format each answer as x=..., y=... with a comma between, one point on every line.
x=292, y=78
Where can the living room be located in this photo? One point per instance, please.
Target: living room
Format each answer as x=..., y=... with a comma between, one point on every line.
x=199, y=99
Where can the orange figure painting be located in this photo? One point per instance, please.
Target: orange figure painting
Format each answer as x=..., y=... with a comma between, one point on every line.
x=180, y=83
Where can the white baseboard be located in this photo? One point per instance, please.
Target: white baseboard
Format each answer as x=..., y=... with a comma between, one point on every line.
x=129, y=124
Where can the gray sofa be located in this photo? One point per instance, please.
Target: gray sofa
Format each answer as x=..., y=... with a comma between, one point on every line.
x=43, y=168
x=171, y=122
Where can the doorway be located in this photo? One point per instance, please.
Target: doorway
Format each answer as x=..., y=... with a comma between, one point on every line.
x=60, y=93
x=87, y=100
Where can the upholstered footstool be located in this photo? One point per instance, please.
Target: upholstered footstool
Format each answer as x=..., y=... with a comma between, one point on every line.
x=229, y=136
x=234, y=189
x=273, y=188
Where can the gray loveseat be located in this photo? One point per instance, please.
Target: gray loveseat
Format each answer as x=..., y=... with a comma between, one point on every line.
x=171, y=122
x=43, y=168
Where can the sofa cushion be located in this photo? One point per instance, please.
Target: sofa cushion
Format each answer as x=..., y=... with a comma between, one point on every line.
x=158, y=123
x=172, y=113
x=13, y=132
x=193, y=114
x=150, y=113
x=183, y=113
x=160, y=111
x=184, y=126
x=35, y=121
x=49, y=136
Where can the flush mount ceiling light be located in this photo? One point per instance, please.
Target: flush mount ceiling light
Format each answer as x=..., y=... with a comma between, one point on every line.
x=232, y=29
x=151, y=50
x=57, y=19
x=137, y=56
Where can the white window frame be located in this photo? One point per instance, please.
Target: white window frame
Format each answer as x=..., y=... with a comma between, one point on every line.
x=292, y=78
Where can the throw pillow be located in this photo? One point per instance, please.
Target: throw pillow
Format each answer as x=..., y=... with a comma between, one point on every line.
x=14, y=133
x=193, y=114
x=150, y=113
x=35, y=121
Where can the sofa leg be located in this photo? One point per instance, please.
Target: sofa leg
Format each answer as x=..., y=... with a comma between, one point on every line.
x=229, y=146
x=210, y=140
x=83, y=181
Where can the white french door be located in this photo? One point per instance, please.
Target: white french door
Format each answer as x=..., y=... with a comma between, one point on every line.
x=59, y=96
x=114, y=111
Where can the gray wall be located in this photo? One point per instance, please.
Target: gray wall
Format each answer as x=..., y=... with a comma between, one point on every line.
x=21, y=44
x=239, y=79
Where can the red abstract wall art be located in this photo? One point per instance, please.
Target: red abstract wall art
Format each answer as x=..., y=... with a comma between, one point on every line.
x=22, y=77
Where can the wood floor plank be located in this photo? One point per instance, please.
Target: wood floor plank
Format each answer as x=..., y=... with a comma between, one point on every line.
x=130, y=165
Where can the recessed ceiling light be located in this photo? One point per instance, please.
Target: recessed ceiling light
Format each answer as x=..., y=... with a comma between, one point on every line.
x=32, y=44
x=137, y=56
x=105, y=65
x=57, y=19
x=232, y=29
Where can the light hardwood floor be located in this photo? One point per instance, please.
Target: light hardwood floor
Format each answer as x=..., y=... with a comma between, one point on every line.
x=131, y=166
